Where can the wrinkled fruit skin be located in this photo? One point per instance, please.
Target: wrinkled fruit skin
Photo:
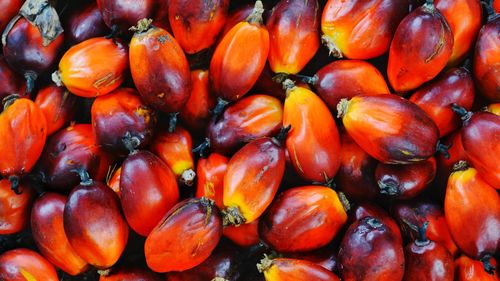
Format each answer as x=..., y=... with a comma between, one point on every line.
x=283, y=269
x=25, y=264
x=487, y=60
x=14, y=208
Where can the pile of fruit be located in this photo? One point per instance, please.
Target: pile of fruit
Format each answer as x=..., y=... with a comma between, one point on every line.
x=250, y=140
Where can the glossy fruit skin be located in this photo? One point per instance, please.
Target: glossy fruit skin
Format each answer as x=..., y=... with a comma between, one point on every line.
x=196, y=112
x=486, y=60
x=323, y=257
x=248, y=119
x=480, y=139
x=346, y=79
x=33, y=57
x=253, y=177
x=362, y=252
x=9, y=10
x=494, y=108
x=125, y=13
x=48, y=232
x=238, y=60
x=69, y=149
x=24, y=264
x=210, y=173
x=245, y=235
x=14, y=208
x=84, y=23
x=148, y=190
x=130, y=274
x=421, y=48
x=175, y=150
x=160, y=70
x=94, y=67
x=24, y=132
x=389, y=128
x=313, y=131
x=470, y=199
x=302, y=219
x=405, y=181
x=197, y=24
x=12, y=83
x=119, y=115
x=235, y=17
x=464, y=18
x=58, y=106
x=467, y=269
x=113, y=180
x=283, y=269
x=294, y=38
x=456, y=152
x=362, y=30
x=356, y=174
x=417, y=213
x=266, y=84
x=428, y=261
x=366, y=209
x=185, y=237
x=435, y=98
x=90, y=207
x=496, y=6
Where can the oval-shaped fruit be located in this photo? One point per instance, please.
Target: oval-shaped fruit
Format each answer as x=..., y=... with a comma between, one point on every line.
x=302, y=219
x=248, y=119
x=9, y=9
x=421, y=48
x=210, y=173
x=240, y=57
x=196, y=112
x=48, y=232
x=313, y=142
x=120, y=15
x=486, y=60
x=24, y=130
x=130, y=274
x=356, y=175
x=365, y=249
x=346, y=79
x=468, y=269
x=83, y=23
x=244, y=235
x=175, y=149
x=12, y=83
x=481, y=139
x=464, y=18
x=14, y=208
x=293, y=29
x=283, y=269
x=121, y=117
x=159, y=68
x=24, y=264
x=94, y=224
x=390, y=128
x=94, y=67
x=252, y=179
x=470, y=199
x=148, y=190
x=405, y=181
x=365, y=209
x=361, y=29
x=436, y=97
x=197, y=24
x=185, y=237
x=58, y=106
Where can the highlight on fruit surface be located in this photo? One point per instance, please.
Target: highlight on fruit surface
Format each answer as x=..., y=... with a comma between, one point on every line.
x=281, y=269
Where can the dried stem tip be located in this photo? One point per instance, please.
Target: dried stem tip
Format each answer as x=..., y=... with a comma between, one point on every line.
x=256, y=15
x=142, y=26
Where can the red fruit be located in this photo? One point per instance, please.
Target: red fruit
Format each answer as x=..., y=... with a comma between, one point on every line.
x=196, y=111
x=113, y=180
x=486, y=60
x=302, y=219
x=421, y=48
x=467, y=269
x=324, y=257
x=130, y=274
x=235, y=17
x=196, y=24
x=148, y=189
x=365, y=209
x=436, y=98
x=83, y=23
x=14, y=208
x=210, y=181
x=120, y=15
x=12, y=83
x=58, y=106
x=23, y=264
x=282, y=269
x=456, y=153
x=48, y=232
x=94, y=224
x=185, y=237
x=245, y=235
x=9, y=10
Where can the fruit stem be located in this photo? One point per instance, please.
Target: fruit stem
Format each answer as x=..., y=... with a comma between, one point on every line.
x=281, y=136
x=56, y=78
x=131, y=143
x=443, y=149
x=311, y=80
x=200, y=149
x=265, y=263
x=256, y=15
x=332, y=48
x=187, y=177
x=30, y=77
x=488, y=267
x=342, y=108
x=467, y=65
x=232, y=216
x=142, y=25
x=345, y=202
x=422, y=237
x=288, y=86
x=9, y=100
x=460, y=166
x=172, y=121
x=280, y=77
x=373, y=222
x=85, y=179
x=115, y=32
x=14, y=184
x=388, y=187
x=219, y=107
x=462, y=112
x=103, y=272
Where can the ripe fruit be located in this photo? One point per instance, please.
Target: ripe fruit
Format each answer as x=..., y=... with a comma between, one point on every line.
x=58, y=106
x=25, y=264
x=283, y=269
x=14, y=208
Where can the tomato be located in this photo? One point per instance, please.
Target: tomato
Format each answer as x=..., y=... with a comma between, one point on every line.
x=94, y=67
x=25, y=264
x=48, y=232
x=83, y=23
x=361, y=29
x=185, y=237
x=58, y=106
x=282, y=269
x=14, y=208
